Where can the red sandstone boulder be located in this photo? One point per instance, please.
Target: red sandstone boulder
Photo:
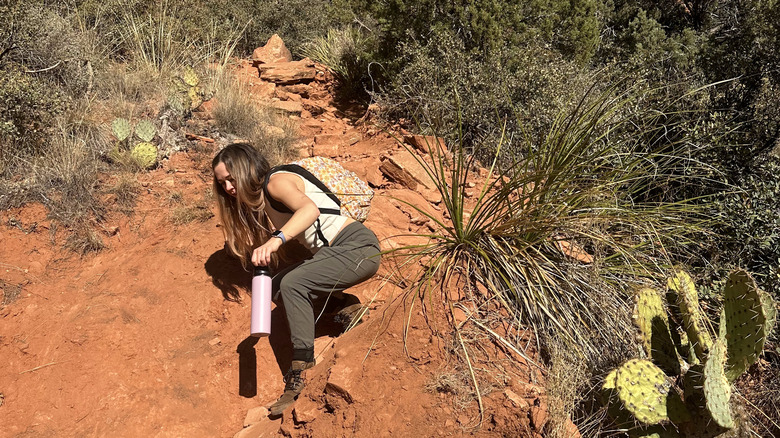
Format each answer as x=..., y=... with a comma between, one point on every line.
x=273, y=51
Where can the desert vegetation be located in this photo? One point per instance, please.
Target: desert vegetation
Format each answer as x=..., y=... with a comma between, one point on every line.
x=645, y=134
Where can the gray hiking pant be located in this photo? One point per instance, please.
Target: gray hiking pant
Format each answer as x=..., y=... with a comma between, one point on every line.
x=351, y=258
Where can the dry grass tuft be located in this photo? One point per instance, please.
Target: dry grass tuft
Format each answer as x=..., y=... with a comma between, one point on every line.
x=126, y=191
x=84, y=240
x=238, y=113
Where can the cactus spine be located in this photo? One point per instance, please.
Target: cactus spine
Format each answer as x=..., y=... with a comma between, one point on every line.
x=643, y=388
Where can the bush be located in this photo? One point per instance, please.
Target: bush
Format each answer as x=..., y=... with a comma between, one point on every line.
x=28, y=107
x=487, y=26
x=521, y=86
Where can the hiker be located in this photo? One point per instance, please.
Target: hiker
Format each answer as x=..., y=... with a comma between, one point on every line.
x=262, y=211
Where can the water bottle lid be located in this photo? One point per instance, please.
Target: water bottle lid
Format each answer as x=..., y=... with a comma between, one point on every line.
x=262, y=270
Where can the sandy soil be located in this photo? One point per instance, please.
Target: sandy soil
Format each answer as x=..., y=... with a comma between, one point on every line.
x=149, y=337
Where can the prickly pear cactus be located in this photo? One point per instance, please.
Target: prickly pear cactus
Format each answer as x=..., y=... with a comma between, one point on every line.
x=145, y=154
x=121, y=129
x=644, y=390
x=694, y=322
x=650, y=317
x=658, y=431
x=717, y=389
x=145, y=130
x=190, y=77
x=744, y=323
x=195, y=97
x=641, y=389
x=609, y=398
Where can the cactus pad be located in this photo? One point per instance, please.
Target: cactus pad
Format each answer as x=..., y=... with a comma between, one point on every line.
x=643, y=390
x=717, y=390
x=657, y=431
x=770, y=311
x=145, y=154
x=121, y=129
x=190, y=77
x=744, y=323
x=651, y=319
x=694, y=322
x=194, y=96
x=145, y=130
x=610, y=399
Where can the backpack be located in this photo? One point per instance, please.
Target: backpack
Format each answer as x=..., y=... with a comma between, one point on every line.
x=350, y=193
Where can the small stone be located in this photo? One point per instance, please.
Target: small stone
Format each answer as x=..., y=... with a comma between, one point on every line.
x=515, y=399
x=254, y=415
x=538, y=417
x=340, y=382
x=305, y=410
x=214, y=341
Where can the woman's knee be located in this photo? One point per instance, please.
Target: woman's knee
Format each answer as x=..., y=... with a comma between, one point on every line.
x=292, y=283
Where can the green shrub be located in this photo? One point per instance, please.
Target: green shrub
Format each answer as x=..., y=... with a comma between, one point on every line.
x=486, y=26
x=524, y=86
x=28, y=106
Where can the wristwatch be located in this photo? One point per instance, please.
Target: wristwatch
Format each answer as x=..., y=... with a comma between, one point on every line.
x=279, y=234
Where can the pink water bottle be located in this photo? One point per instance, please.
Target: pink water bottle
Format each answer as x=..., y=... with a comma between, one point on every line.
x=261, y=302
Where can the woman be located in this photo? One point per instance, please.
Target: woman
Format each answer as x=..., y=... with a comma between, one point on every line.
x=258, y=224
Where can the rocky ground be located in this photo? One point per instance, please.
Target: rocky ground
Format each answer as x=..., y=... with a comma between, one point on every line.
x=149, y=337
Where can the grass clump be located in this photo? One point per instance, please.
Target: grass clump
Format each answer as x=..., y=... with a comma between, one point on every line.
x=236, y=112
x=348, y=52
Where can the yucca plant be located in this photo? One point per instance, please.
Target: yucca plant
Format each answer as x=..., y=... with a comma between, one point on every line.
x=579, y=184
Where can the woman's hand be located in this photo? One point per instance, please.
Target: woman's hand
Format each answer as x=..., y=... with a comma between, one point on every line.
x=261, y=256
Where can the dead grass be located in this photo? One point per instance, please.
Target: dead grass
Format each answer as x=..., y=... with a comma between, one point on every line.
x=125, y=191
x=565, y=379
x=237, y=112
x=184, y=213
x=84, y=240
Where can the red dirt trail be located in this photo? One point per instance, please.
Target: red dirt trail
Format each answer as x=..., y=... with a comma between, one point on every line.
x=143, y=340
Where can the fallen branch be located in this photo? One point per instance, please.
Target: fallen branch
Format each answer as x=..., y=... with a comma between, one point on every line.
x=199, y=138
x=38, y=367
x=44, y=69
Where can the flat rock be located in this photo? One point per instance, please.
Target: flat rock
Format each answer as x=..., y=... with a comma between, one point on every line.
x=305, y=410
x=327, y=150
x=427, y=143
x=285, y=73
x=287, y=106
x=265, y=428
x=273, y=51
x=265, y=90
x=255, y=415
x=404, y=168
x=340, y=382
x=302, y=90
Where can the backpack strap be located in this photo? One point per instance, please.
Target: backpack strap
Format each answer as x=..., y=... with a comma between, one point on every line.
x=299, y=170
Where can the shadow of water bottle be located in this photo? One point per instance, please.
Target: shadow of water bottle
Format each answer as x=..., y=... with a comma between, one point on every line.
x=247, y=367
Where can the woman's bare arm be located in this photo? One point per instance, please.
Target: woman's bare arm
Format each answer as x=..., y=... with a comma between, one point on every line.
x=287, y=189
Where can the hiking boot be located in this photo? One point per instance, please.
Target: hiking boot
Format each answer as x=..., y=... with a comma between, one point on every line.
x=293, y=386
x=351, y=316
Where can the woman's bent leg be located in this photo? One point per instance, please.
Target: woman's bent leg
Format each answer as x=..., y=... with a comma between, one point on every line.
x=352, y=258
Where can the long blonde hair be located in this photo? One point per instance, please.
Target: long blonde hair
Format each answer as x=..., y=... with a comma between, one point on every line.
x=245, y=225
